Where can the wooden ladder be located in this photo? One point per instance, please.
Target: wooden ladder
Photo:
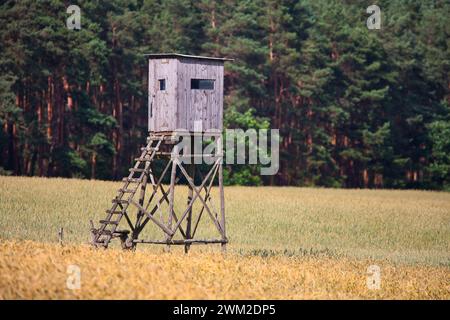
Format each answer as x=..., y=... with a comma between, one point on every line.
x=108, y=227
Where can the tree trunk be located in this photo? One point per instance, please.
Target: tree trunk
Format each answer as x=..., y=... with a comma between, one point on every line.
x=118, y=132
x=50, y=113
x=93, y=164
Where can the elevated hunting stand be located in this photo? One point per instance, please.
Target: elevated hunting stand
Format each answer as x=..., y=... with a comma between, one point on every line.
x=185, y=102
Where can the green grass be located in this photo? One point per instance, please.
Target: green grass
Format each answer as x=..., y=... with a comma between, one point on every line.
x=399, y=226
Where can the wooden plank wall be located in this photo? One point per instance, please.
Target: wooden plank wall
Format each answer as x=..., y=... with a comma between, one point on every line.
x=204, y=106
x=179, y=107
x=151, y=93
x=164, y=102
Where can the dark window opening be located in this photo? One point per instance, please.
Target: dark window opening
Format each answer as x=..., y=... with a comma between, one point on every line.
x=202, y=84
x=162, y=84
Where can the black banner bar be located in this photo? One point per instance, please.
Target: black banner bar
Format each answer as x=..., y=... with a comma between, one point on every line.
x=223, y=309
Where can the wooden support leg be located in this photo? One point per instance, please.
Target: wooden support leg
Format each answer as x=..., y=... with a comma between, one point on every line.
x=171, y=197
x=140, y=213
x=136, y=188
x=222, y=207
x=189, y=216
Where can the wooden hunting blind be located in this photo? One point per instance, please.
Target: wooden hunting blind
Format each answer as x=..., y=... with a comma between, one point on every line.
x=185, y=101
x=185, y=93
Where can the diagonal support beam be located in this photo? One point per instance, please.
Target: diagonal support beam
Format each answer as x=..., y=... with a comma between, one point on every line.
x=126, y=217
x=186, y=211
x=158, y=208
x=207, y=196
x=158, y=203
x=159, y=224
x=150, y=196
x=164, y=195
x=139, y=225
x=205, y=205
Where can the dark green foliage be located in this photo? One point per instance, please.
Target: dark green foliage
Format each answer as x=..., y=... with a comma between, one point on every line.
x=243, y=174
x=355, y=107
x=439, y=168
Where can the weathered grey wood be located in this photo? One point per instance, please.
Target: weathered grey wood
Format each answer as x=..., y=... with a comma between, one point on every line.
x=103, y=235
x=158, y=208
x=207, y=196
x=140, y=213
x=178, y=106
x=151, y=95
x=182, y=242
x=183, y=216
x=163, y=103
x=172, y=195
x=107, y=234
x=155, y=190
x=61, y=236
x=189, y=217
x=163, y=227
x=222, y=207
x=198, y=195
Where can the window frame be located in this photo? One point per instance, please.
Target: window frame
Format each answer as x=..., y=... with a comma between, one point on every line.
x=203, y=84
x=162, y=84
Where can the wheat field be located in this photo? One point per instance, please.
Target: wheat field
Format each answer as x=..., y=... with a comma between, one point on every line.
x=31, y=270
x=285, y=243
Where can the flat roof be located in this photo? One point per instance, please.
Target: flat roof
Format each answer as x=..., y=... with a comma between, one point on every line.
x=178, y=55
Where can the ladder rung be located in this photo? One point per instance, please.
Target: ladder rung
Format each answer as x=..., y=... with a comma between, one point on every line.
x=203, y=156
x=135, y=180
x=109, y=222
x=137, y=170
x=115, y=233
x=119, y=201
x=142, y=159
x=155, y=138
x=113, y=212
x=127, y=190
x=149, y=149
